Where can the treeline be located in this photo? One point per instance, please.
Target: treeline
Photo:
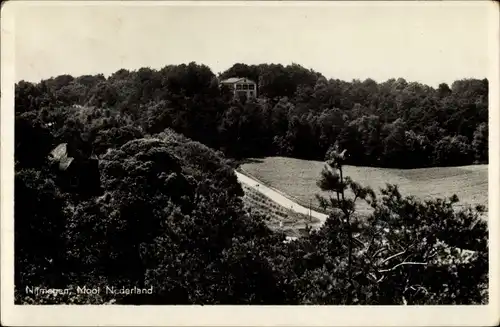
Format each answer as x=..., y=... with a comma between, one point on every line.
x=298, y=113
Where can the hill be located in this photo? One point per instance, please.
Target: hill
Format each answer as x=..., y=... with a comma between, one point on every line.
x=297, y=178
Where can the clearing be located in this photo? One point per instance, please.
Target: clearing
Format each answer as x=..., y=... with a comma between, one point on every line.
x=297, y=180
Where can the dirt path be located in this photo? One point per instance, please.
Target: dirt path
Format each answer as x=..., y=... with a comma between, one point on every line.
x=280, y=198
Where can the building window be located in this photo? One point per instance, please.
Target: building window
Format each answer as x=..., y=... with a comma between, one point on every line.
x=245, y=86
x=251, y=93
x=251, y=87
x=238, y=86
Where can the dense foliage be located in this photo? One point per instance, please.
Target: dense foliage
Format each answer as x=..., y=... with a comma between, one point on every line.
x=298, y=113
x=169, y=213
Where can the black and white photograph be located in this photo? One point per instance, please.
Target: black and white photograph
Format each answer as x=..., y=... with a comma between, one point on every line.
x=261, y=159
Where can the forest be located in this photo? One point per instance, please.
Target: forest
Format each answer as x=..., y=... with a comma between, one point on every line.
x=299, y=113
x=163, y=207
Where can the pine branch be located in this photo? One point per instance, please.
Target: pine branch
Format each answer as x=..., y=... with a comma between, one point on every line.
x=354, y=205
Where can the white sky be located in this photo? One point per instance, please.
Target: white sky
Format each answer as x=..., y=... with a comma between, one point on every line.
x=430, y=43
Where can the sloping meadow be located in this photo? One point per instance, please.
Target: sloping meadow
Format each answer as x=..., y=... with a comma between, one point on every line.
x=297, y=178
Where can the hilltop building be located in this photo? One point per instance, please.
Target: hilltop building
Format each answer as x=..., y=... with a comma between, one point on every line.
x=241, y=86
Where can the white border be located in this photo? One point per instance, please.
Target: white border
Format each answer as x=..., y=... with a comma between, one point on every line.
x=236, y=315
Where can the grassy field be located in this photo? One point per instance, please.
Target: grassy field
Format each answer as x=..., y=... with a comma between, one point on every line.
x=292, y=222
x=297, y=179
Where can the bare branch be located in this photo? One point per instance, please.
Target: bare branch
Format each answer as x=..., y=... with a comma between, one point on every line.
x=360, y=243
x=375, y=279
x=378, y=252
x=393, y=256
x=401, y=264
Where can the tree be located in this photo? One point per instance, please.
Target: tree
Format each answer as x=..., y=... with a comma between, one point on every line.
x=242, y=70
x=418, y=149
x=443, y=90
x=425, y=243
x=394, y=144
x=398, y=254
x=28, y=153
x=480, y=143
x=27, y=97
x=330, y=122
x=333, y=180
x=454, y=150
x=39, y=210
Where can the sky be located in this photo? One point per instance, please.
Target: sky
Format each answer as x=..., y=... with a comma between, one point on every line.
x=425, y=42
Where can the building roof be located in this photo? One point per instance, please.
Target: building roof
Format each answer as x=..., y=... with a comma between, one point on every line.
x=59, y=151
x=233, y=80
x=60, y=154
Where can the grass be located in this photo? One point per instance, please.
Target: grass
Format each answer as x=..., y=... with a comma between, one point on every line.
x=297, y=179
x=293, y=222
